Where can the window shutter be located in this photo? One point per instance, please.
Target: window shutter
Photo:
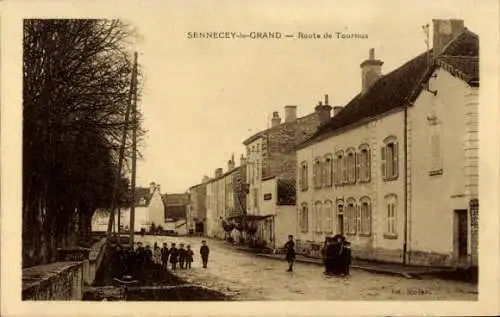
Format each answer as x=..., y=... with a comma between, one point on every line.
x=345, y=218
x=344, y=170
x=358, y=165
x=334, y=172
x=314, y=173
x=382, y=160
x=368, y=171
x=323, y=173
x=358, y=218
x=396, y=159
x=301, y=177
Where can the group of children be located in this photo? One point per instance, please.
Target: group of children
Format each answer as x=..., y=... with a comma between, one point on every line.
x=183, y=255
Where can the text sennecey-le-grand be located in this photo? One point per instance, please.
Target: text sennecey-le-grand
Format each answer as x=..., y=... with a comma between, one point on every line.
x=272, y=35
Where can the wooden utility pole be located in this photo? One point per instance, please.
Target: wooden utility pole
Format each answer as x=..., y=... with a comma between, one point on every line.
x=111, y=222
x=134, y=153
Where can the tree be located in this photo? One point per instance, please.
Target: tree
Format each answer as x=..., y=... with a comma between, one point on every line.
x=76, y=82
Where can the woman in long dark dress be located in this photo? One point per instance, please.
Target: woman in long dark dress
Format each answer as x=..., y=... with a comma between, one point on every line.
x=290, y=252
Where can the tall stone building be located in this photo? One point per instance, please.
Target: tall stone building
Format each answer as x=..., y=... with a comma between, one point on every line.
x=271, y=154
x=396, y=170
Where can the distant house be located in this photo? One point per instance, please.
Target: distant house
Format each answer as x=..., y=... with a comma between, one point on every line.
x=148, y=209
x=175, y=211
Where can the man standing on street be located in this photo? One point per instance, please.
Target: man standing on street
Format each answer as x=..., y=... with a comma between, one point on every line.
x=290, y=253
x=204, y=251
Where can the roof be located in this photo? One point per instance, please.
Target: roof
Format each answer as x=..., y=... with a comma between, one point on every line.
x=279, y=127
x=175, y=199
x=395, y=89
x=142, y=193
x=175, y=205
x=227, y=173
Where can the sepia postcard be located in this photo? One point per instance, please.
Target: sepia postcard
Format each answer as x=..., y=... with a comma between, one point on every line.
x=249, y=158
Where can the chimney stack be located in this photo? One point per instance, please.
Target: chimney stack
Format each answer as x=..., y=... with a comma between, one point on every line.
x=290, y=114
x=371, y=71
x=230, y=164
x=323, y=112
x=276, y=120
x=218, y=172
x=243, y=160
x=158, y=188
x=444, y=31
x=205, y=179
x=152, y=187
x=336, y=110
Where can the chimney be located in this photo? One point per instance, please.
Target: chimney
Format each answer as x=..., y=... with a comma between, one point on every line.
x=152, y=187
x=243, y=160
x=205, y=179
x=218, y=172
x=371, y=70
x=336, y=110
x=323, y=112
x=230, y=164
x=290, y=114
x=444, y=31
x=158, y=188
x=276, y=120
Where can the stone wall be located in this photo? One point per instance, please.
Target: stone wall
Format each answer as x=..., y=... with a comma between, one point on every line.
x=55, y=281
x=62, y=280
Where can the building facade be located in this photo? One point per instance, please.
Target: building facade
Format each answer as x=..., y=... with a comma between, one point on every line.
x=271, y=153
x=376, y=172
x=225, y=199
x=197, y=209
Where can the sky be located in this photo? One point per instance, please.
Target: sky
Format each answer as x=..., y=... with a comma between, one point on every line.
x=203, y=97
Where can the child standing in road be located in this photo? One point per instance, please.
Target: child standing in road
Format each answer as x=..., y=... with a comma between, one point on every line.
x=290, y=253
x=204, y=251
x=173, y=256
x=182, y=255
x=189, y=257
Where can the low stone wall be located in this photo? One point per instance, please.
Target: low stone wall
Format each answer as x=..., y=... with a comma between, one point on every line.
x=92, y=264
x=55, y=281
x=62, y=280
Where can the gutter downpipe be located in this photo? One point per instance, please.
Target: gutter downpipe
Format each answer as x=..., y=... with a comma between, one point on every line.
x=405, y=242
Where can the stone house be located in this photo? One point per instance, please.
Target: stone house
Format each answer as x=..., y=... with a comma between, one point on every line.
x=197, y=209
x=225, y=198
x=390, y=171
x=271, y=154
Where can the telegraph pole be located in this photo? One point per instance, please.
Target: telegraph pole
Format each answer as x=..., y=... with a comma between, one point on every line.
x=134, y=151
x=111, y=222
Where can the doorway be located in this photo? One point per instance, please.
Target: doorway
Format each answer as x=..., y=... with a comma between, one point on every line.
x=461, y=237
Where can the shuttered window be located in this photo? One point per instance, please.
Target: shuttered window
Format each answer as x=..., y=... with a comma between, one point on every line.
x=389, y=156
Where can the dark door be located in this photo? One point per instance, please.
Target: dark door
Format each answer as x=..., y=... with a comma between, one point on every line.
x=340, y=224
x=462, y=233
x=340, y=219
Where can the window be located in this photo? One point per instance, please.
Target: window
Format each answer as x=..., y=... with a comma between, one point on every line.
x=303, y=218
x=363, y=169
x=389, y=158
x=391, y=214
x=328, y=217
x=339, y=168
x=366, y=217
x=351, y=217
x=350, y=167
x=328, y=170
x=436, y=164
x=317, y=173
x=303, y=182
x=317, y=217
